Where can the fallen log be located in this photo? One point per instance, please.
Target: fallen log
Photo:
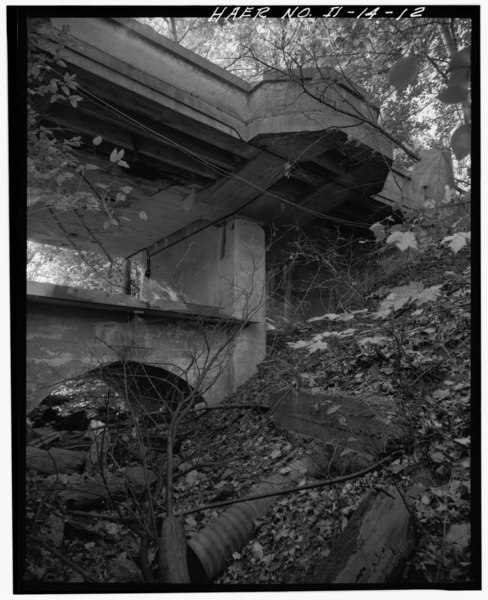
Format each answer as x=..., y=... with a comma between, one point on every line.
x=375, y=544
x=90, y=494
x=43, y=437
x=93, y=493
x=54, y=460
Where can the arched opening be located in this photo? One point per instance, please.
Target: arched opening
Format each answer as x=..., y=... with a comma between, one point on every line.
x=147, y=389
x=130, y=404
x=111, y=392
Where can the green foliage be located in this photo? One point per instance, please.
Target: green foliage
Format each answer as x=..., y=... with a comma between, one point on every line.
x=57, y=172
x=403, y=72
x=456, y=91
x=441, y=216
x=461, y=141
x=458, y=241
x=457, y=87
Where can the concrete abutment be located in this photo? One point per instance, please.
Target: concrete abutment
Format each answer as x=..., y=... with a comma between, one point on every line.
x=223, y=265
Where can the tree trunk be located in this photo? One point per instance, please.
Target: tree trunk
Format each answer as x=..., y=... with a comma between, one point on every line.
x=172, y=551
x=374, y=546
x=55, y=460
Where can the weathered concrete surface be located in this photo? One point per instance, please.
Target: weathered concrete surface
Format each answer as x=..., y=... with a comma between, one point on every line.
x=201, y=143
x=47, y=292
x=189, y=84
x=224, y=266
x=214, y=344
x=368, y=425
x=69, y=338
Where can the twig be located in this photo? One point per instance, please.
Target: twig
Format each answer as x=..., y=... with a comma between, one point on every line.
x=144, y=560
x=34, y=540
x=228, y=406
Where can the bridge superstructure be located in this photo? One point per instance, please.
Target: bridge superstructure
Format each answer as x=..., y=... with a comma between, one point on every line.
x=212, y=159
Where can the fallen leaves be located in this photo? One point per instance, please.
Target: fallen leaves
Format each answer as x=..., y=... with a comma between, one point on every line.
x=457, y=241
x=403, y=240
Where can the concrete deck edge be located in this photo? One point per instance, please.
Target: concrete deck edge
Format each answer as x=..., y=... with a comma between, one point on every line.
x=146, y=32
x=48, y=293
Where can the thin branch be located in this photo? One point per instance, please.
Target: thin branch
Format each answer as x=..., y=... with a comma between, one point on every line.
x=355, y=115
x=231, y=406
x=318, y=484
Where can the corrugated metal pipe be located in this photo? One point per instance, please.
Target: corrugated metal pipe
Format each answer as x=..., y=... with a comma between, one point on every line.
x=213, y=546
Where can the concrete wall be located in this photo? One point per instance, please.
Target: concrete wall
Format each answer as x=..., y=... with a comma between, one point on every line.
x=224, y=266
x=64, y=342
x=210, y=344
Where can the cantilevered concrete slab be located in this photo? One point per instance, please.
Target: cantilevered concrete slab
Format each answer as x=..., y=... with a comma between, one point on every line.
x=202, y=144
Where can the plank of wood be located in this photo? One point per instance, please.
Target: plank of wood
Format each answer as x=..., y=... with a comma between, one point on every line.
x=55, y=460
x=374, y=546
x=38, y=436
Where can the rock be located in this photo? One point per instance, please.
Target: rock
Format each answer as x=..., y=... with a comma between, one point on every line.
x=55, y=400
x=48, y=417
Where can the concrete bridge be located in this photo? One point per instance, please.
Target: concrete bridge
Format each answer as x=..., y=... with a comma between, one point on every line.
x=212, y=160
x=73, y=332
x=209, y=348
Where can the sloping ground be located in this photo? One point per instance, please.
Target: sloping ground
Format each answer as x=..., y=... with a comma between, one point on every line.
x=410, y=364
x=413, y=355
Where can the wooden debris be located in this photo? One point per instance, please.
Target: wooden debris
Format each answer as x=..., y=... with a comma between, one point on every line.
x=90, y=494
x=54, y=460
x=374, y=546
x=93, y=493
x=42, y=436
